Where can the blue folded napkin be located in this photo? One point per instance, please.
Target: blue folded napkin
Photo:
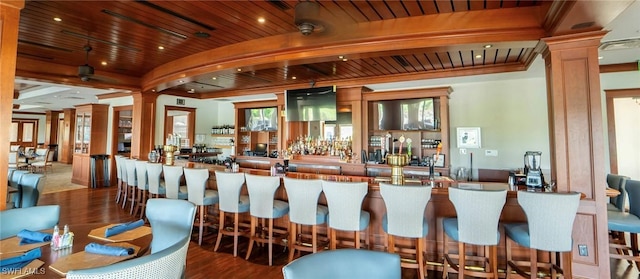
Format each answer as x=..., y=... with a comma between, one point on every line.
x=96, y=248
x=118, y=229
x=28, y=237
x=19, y=262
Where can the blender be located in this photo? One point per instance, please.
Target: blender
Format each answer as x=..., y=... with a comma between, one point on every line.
x=532, y=170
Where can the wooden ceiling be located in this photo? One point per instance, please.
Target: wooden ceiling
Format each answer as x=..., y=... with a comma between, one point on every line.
x=218, y=48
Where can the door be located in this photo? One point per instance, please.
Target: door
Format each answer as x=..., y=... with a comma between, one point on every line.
x=23, y=132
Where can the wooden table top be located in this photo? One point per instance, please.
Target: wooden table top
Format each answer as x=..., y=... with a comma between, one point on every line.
x=612, y=193
x=81, y=239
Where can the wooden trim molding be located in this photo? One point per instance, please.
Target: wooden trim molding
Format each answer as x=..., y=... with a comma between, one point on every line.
x=614, y=68
x=610, y=95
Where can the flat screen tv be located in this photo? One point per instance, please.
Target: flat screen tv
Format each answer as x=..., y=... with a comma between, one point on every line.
x=261, y=119
x=260, y=150
x=311, y=104
x=407, y=114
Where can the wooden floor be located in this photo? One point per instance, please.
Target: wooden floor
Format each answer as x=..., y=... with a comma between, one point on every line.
x=98, y=206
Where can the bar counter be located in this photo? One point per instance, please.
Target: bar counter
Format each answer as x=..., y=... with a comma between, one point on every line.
x=439, y=207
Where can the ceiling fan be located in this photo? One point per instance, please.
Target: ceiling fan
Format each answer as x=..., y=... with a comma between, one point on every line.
x=86, y=71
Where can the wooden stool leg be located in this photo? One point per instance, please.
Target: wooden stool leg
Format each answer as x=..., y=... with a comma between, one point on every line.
x=462, y=260
x=220, y=229
x=254, y=223
x=236, y=231
x=534, y=263
x=333, y=239
x=201, y=225
x=270, y=241
x=292, y=240
x=314, y=238
x=357, y=239
x=420, y=257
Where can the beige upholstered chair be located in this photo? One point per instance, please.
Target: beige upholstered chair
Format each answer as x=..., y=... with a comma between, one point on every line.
x=172, y=179
x=344, y=200
x=198, y=194
x=14, y=161
x=405, y=218
x=304, y=210
x=478, y=213
x=262, y=190
x=231, y=201
x=44, y=163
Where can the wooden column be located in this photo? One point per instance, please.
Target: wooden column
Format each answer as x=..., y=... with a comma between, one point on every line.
x=9, y=20
x=144, y=115
x=577, y=142
x=65, y=151
x=51, y=133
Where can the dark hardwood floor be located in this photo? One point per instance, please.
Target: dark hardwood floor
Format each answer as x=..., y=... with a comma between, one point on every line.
x=98, y=206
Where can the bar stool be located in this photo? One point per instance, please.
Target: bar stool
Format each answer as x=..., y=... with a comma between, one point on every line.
x=118, y=177
x=478, y=214
x=124, y=176
x=262, y=190
x=617, y=182
x=627, y=222
x=172, y=179
x=344, y=200
x=229, y=188
x=405, y=218
x=132, y=182
x=143, y=187
x=156, y=184
x=199, y=195
x=304, y=210
x=543, y=231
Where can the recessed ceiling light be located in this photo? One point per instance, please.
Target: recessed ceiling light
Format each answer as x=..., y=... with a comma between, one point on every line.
x=344, y=59
x=600, y=57
x=341, y=57
x=214, y=78
x=261, y=19
x=478, y=56
x=239, y=70
x=293, y=77
x=153, y=90
x=487, y=46
x=160, y=47
x=104, y=63
x=181, y=81
x=57, y=19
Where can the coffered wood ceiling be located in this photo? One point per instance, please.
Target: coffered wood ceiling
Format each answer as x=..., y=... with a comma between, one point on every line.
x=383, y=40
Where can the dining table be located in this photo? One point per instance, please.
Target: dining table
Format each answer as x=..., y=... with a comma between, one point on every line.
x=51, y=259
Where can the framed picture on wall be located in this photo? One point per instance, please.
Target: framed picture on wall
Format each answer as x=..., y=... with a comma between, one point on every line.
x=438, y=160
x=469, y=137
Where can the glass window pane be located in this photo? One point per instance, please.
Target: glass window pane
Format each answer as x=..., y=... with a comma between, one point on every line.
x=13, y=133
x=27, y=132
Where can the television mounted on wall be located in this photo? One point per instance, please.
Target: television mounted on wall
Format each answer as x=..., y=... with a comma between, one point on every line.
x=311, y=104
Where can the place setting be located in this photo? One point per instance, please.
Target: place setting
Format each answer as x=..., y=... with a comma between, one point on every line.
x=19, y=255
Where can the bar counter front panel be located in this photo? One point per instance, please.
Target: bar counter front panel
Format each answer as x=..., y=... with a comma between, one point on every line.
x=438, y=208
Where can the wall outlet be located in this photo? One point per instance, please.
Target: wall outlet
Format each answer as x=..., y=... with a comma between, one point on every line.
x=490, y=152
x=463, y=151
x=582, y=250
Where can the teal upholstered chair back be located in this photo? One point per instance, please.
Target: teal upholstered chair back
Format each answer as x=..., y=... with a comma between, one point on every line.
x=633, y=189
x=171, y=220
x=617, y=182
x=550, y=218
x=32, y=186
x=35, y=218
x=168, y=263
x=345, y=264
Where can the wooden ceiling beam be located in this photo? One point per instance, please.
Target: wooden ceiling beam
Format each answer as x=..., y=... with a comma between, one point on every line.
x=475, y=27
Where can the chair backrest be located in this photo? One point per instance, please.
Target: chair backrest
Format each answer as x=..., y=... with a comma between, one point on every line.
x=154, y=172
x=170, y=220
x=13, y=157
x=343, y=264
x=633, y=189
x=262, y=190
x=130, y=165
x=303, y=197
x=49, y=156
x=617, y=182
x=118, y=162
x=550, y=232
x=141, y=174
x=196, y=184
x=42, y=152
x=405, y=209
x=172, y=177
x=229, y=188
x=478, y=213
x=42, y=217
x=344, y=200
x=32, y=186
x=9, y=174
x=123, y=168
x=168, y=263
x=16, y=177
x=14, y=148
